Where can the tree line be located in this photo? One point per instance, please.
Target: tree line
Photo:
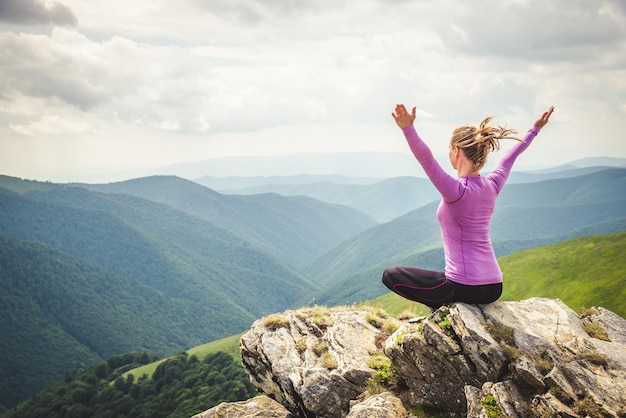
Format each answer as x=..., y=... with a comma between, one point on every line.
x=181, y=386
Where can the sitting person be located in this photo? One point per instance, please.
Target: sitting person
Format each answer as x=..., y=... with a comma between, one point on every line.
x=472, y=274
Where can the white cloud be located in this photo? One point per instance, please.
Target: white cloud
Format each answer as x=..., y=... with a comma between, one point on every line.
x=51, y=125
x=161, y=72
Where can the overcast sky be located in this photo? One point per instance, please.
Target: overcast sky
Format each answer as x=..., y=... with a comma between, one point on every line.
x=106, y=86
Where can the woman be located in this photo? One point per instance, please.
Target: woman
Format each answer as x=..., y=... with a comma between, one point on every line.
x=472, y=274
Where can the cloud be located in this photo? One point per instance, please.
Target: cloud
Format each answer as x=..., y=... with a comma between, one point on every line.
x=257, y=70
x=54, y=67
x=51, y=125
x=559, y=30
x=33, y=12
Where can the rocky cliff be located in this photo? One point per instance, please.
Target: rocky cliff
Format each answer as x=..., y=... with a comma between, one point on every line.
x=533, y=358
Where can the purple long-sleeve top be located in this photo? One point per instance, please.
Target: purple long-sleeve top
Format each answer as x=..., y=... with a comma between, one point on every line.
x=465, y=211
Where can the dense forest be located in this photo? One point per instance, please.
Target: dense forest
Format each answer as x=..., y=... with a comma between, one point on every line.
x=179, y=388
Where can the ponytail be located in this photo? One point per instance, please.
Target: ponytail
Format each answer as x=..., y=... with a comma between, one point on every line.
x=476, y=143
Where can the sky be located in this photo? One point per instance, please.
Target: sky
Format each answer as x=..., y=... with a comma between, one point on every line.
x=96, y=90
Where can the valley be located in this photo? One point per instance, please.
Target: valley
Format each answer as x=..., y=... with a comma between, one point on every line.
x=161, y=264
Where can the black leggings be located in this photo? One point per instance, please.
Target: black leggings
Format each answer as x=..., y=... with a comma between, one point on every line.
x=433, y=289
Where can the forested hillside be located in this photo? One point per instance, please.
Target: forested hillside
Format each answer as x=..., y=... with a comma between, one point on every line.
x=59, y=313
x=293, y=229
x=150, y=277
x=186, y=383
x=180, y=255
x=179, y=388
x=384, y=200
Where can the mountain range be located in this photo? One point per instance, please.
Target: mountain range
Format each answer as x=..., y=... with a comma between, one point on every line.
x=196, y=381
x=161, y=263
x=383, y=200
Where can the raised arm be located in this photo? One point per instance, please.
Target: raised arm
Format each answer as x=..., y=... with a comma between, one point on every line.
x=448, y=186
x=503, y=168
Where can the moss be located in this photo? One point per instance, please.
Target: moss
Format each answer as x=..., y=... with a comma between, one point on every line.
x=385, y=374
x=274, y=322
x=390, y=327
x=320, y=347
x=596, y=331
x=501, y=333
x=447, y=327
x=378, y=361
x=374, y=320
x=586, y=311
x=322, y=321
x=406, y=315
x=511, y=352
x=329, y=361
x=594, y=357
x=588, y=408
x=301, y=346
x=543, y=365
x=492, y=410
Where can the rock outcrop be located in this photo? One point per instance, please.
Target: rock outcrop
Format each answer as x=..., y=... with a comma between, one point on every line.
x=533, y=358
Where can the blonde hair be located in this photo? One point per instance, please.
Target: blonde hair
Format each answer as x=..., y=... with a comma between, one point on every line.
x=476, y=143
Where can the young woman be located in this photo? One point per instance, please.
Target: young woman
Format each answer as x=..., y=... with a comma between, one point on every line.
x=472, y=274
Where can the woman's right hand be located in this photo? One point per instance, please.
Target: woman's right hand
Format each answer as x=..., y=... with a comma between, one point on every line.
x=543, y=120
x=402, y=117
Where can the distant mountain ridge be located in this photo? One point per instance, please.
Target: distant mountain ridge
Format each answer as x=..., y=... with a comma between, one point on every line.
x=291, y=228
x=352, y=164
x=383, y=200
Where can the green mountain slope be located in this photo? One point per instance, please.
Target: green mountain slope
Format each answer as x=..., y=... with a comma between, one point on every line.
x=600, y=186
x=559, y=270
x=193, y=281
x=59, y=313
x=178, y=254
x=582, y=272
x=512, y=229
x=291, y=228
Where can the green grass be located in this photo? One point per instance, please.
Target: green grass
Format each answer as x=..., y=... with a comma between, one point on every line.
x=229, y=345
x=582, y=272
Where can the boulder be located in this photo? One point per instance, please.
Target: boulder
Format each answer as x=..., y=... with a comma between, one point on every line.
x=314, y=361
x=532, y=358
x=259, y=407
x=516, y=358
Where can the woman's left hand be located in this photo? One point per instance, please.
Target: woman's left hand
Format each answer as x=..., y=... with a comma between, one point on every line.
x=402, y=117
x=543, y=120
